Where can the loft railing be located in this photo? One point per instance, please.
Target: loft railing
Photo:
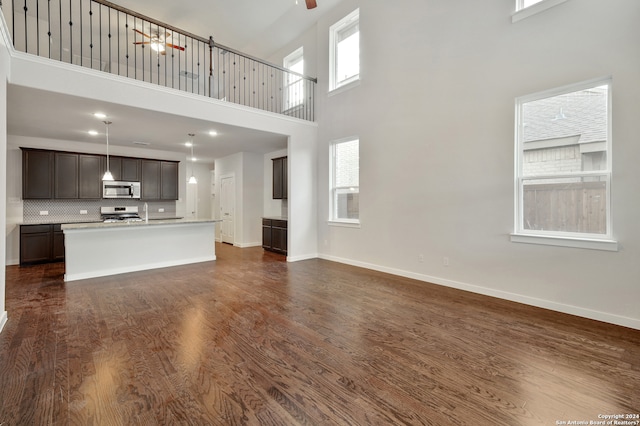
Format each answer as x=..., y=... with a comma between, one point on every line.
x=103, y=36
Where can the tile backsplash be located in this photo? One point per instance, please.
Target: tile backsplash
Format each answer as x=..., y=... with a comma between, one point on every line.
x=67, y=211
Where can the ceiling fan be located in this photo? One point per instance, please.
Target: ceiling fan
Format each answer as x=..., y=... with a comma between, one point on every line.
x=311, y=4
x=158, y=42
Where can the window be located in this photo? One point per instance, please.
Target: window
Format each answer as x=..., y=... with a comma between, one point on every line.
x=293, y=83
x=345, y=181
x=563, y=163
x=526, y=8
x=344, y=46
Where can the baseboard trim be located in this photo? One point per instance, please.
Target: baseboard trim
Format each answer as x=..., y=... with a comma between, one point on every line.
x=3, y=320
x=514, y=297
x=247, y=245
x=302, y=257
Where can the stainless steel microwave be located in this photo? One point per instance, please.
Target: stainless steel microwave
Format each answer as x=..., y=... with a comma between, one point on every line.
x=120, y=189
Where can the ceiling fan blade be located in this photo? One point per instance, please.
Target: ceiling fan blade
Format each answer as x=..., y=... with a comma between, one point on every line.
x=311, y=4
x=140, y=32
x=142, y=42
x=173, y=46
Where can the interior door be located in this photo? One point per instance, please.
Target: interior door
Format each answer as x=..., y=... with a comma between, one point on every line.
x=227, y=208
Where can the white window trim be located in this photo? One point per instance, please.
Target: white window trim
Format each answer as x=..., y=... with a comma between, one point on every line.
x=587, y=241
x=334, y=221
x=525, y=12
x=333, y=85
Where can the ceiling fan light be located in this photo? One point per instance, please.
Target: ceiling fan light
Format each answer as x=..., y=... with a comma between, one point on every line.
x=158, y=47
x=107, y=176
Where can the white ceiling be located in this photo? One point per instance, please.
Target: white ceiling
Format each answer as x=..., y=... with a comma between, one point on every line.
x=255, y=27
x=40, y=114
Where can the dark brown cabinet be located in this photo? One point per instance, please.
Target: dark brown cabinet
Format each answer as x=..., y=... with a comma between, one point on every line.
x=68, y=175
x=150, y=187
x=41, y=244
x=37, y=174
x=168, y=180
x=274, y=235
x=90, y=171
x=65, y=181
x=130, y=169
x=159, y=180
x=57, y=246
x=123, y=168
x=280, y=191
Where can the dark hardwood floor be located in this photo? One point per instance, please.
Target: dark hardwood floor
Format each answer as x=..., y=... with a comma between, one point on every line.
x=250, y=339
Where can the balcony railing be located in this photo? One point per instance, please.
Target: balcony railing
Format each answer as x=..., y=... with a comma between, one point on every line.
x=103, y=36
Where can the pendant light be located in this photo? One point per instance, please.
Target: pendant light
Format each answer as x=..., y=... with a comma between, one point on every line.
x=107, y=174
x=192, y=179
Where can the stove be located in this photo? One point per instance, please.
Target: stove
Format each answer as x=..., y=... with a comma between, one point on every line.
x=120, y=214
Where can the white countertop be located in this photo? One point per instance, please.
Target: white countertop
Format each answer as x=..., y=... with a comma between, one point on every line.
x=156, y=222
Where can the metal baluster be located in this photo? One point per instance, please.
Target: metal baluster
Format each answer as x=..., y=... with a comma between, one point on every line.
x=49, y=25
x=81, y=31
x=109, y=35
x=60, y=34
x=70, y=32
x=118, y=26
x=91, y=34
x=37, y=27
x=126, y=40
x=26, y=42
x=100, y=32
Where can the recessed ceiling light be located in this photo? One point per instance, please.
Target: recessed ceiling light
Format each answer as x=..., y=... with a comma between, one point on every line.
x=100, y=115
x=93, y=133
x=213, y=133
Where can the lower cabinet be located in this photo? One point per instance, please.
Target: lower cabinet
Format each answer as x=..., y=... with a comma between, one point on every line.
x=41, y=244
x=274, y=235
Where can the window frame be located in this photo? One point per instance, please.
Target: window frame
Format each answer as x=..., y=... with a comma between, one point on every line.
x=333, y=205
x=290, y=60
x=351, y=19
x=560, y=238
x=525, y=12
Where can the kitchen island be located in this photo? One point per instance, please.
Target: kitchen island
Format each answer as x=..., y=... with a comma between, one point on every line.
x=100, y=249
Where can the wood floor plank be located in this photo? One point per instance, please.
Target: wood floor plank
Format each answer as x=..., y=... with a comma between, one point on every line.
x=251, y=339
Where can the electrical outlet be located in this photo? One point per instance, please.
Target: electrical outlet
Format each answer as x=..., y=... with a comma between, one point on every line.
x=160, y=210
x=44, y=212
x=83, y=212
x=445, y=261
x=421, y=258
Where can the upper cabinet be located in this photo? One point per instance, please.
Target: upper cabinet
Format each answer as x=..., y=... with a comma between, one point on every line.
x=159, y=180
x=65, y=181
x=67, y=175
x=37, y=174
x=90, y=174
x=280, y=191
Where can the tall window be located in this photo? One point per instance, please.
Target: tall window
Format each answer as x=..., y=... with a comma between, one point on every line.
x=344, y=46
x=294, y=85
x=564, y=162
x=345, y=181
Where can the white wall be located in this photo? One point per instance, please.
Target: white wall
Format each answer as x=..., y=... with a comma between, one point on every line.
x=202, y=173
x=252, y=197
x=246, y=167
x=435, y=115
